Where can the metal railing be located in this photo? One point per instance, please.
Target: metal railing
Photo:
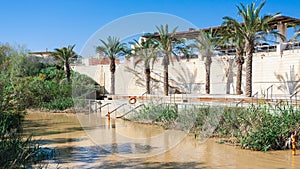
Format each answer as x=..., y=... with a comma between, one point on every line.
x=241, y=101
x=116, y=109
x=103, y=106
x=291, y=98
x=255, y=94
x=131, y=110
x=271, y=93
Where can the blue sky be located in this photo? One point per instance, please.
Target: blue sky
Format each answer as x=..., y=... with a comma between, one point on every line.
x=41, y=24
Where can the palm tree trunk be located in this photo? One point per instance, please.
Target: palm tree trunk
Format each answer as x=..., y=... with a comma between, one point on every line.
x=249, y=54
x=240, y=62
x=238, y=89
x=112, y=78
x=147, y=73
x=207, y=74
x=67, y=72
x=207, y=78
x=227, y=85
x=166, y=77
x=112, y=82
x=166, y=63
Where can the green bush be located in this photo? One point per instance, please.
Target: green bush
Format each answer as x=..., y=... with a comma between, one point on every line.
x=262, y=127
x=59, y=104
x=159, y=113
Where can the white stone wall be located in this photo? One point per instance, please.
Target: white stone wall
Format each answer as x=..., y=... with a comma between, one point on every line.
x=190, y=76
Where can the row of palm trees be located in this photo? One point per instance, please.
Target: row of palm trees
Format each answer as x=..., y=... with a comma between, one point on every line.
x=243, y=35
x=165, y=43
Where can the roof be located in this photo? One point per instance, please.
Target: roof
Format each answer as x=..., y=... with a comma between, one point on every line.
x=40, y=53
x=192, y=33
x=290, y=21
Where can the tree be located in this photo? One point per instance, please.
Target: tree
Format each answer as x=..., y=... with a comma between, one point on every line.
x=233, y=34
x=65, y=54
x=146, y=52
x=112, y=49
x=297, y=31
x=253, y=26
x=165, y=40
x=206, y=43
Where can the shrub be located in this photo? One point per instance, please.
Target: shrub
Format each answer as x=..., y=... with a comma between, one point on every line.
x=159, y=113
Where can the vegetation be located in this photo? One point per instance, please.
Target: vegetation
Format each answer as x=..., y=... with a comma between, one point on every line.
x=65, y=55
x=162, y=114
x=112, y=49
x=146, y=52
x=15, y=152
x=28, y=82
x=234, y=36
x=259, y=127
x=165, y=40
x=262, y=127
x=252, y=28
x=206, y=43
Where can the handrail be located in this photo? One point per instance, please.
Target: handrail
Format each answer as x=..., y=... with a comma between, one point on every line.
x=130, y=111
x=270, y=87
x=103, y=106
x=116, y=108
x=239, y=102
x=255, y=94
x=295, y=93
x=94, y=101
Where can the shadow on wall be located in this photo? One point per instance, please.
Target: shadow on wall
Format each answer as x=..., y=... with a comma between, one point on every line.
x=290, y=83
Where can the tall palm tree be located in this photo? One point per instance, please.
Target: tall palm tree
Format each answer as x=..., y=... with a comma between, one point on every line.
x=165, y=40
x=252, y=27
x=206, y=44
x=65, y=54
x=233, y=35
x=112, y=48
x=146, y=52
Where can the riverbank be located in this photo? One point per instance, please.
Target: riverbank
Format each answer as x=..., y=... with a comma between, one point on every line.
x=259, y=127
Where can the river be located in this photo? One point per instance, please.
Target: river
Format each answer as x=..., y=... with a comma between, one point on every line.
x=93, y=141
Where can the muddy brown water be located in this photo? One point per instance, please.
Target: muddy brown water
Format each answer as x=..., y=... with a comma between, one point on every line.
x=122, y=144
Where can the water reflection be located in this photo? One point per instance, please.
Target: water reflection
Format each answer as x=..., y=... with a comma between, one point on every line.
x=129, y=139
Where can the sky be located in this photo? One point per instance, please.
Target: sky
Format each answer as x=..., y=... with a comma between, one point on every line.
x=49, y=24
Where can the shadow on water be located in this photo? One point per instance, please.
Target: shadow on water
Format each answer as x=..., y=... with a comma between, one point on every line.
x=58, y=140
x=128, y=148
x=134, y=163
x=40, y=128
x=85, y=156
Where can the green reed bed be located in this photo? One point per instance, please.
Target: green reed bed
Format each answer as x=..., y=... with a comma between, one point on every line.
x=258, y=127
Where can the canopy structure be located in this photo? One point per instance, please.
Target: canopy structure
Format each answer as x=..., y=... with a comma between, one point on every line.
x=281, y=23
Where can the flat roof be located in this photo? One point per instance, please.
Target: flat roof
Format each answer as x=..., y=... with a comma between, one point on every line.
x=40, y=53
x=192, y=33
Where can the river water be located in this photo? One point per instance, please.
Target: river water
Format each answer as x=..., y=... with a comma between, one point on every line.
x=93, y=141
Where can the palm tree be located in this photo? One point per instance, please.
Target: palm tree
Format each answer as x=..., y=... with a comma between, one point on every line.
x=252, y=27
x=206, y=43
x=112, y=49
x=231, y=33
x=65, y=55
x=297, y=32
x=146, y=52
x=165, y=40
